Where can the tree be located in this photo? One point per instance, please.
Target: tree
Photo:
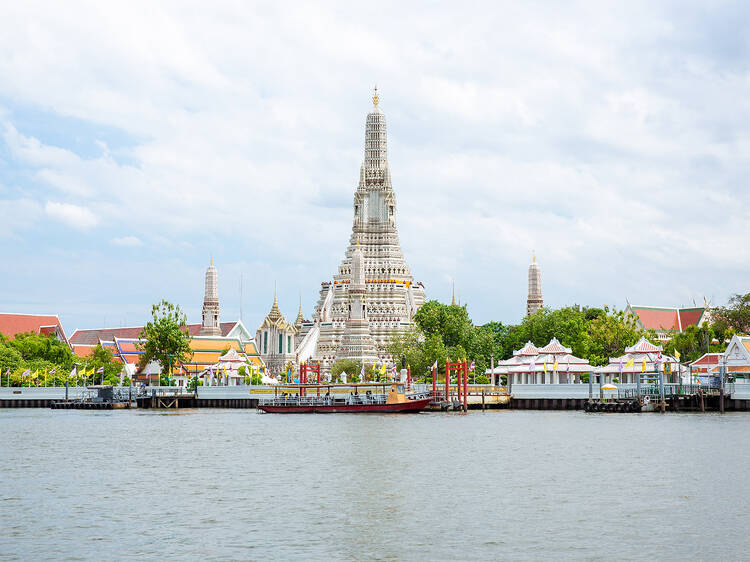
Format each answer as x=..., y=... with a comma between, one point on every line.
x=609, y=334
x=737, y=312
x=352, y=367
x=166, y=337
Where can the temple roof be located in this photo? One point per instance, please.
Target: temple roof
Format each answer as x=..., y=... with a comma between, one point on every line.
x=528, y=349
x=41, y=324
x=643, y=346
x=555, y=346
x=667, y=318
x=276, y=319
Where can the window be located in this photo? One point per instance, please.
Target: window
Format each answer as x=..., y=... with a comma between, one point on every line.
x=289, y=344
x=281, y=343
x=265, y=342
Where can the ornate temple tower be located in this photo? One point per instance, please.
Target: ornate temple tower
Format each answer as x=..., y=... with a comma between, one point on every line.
x=210, y=324
x=275, y=340
x=390, y=297
x=534, y=301
x=357, y=342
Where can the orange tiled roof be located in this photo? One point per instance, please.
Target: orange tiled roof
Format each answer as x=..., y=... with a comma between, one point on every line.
x=665, y=318
x=12, y=324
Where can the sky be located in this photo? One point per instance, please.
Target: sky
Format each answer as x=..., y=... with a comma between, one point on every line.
x=140, y=139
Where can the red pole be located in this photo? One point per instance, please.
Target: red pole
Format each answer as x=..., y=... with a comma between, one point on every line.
x=434, y=383
x=318, y=379
x=447, y=383
x=466, y=389
x=459, y=382
x=408, y=378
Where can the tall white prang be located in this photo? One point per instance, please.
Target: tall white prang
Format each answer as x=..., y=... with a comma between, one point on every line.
x=373, y=295
x=210, y=325
x=534, y=301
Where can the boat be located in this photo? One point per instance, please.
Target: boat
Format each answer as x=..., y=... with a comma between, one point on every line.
x=396, y=401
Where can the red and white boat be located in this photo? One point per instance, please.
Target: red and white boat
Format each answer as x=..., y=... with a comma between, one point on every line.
x=395, y=401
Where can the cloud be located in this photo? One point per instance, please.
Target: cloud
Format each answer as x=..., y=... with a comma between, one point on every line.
x=72, y=215
x=127, y=241
x=608, y=137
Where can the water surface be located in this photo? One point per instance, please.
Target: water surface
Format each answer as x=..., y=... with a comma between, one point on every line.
x=235, y=484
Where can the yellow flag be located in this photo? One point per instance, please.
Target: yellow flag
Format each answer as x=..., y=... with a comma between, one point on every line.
x=677, y=355
x=630, y=363
x=643, y=369
x=545, y=367
x=555, y=366
x=382, y=368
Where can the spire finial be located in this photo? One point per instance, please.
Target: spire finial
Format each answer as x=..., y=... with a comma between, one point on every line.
x=375, y=97
x=453, y=294
x=275, y=301
x=212, y=259
x=533, y=256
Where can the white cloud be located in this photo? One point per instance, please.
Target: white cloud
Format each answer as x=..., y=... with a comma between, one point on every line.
x=72, y=215
x=607, y=137
x=127, y=241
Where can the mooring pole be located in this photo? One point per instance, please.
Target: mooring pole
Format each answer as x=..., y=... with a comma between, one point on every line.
x=722, y=372
x=434, y=383
x=638, y=386
x=591, y=387
x=66, y=391
x=459, y=383
x=466, y=388
x=447, y=383
x=661, y=387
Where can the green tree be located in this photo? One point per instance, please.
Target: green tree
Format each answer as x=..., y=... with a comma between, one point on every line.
x=351, y=367
x=166, y=337
x=737, y=313
x=609, y=334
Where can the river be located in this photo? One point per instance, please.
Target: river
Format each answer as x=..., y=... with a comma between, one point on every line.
x=238, y=485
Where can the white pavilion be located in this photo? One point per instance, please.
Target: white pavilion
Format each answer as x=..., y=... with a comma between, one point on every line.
x=643, y=357
x=552, y=364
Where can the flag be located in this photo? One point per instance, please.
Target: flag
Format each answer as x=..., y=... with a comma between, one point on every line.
x=555, y=365
x=658, y=356
x=434, y=366
x=545, y=367
x=532, y=365
x=630, y=363
x=26, y=373
x=73, y=371
x=393, y=370
x=677, y=355
x=100, y=371
x=52, y=372
x=567, y=370
x=362, y=372
x=472, y=366
x=620, y=365
x=90, y=373
x=382, y=368
x=643, y=368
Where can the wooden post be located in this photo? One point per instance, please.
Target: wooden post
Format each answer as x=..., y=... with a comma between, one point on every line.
x=482, y=399
x=700, y=394
x=434, y=382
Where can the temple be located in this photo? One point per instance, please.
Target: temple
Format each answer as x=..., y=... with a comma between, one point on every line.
x=210, y=324
x=276, y=339
x=373, y=295
x=534, y=300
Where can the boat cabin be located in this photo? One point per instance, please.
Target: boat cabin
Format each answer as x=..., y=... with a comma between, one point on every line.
x=397, y=394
